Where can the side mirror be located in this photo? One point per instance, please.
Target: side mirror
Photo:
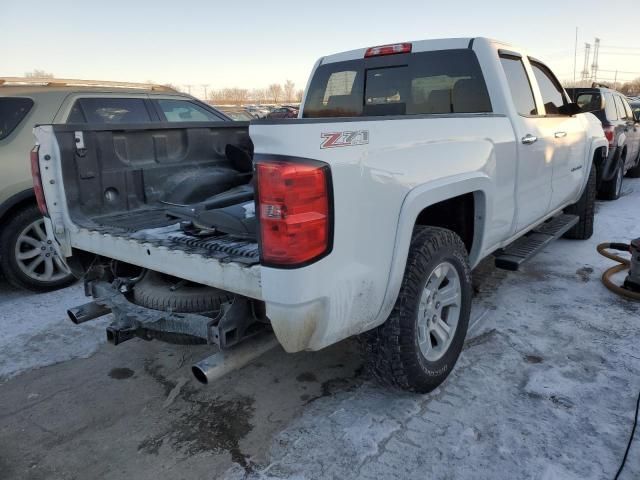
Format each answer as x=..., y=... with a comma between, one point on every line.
x=570, y=109
x=636, y=115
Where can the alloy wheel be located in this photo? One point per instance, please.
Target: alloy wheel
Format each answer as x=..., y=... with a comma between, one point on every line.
x=36, y=255
x=439, y=311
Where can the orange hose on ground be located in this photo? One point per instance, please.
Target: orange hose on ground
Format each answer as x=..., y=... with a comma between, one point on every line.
x=624, y=264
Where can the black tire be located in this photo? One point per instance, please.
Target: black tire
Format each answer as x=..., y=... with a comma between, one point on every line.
x=10, y=235
x=634, y=172
x=611, y=189
x=392, y=351
x=585, y=209
x=154, y=291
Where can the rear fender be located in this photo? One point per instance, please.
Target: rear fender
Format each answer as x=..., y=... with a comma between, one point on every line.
x=415, y=202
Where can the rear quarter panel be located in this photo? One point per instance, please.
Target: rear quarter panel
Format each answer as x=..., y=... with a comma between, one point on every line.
x=343, y=293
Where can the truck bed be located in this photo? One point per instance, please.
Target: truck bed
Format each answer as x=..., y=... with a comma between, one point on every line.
x=121, y=181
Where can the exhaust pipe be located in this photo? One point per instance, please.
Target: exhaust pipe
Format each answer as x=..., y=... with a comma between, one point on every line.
x=225, y=361
x=86, y=312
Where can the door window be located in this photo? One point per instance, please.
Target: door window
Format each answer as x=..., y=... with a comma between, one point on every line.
x=627, y=109
x=551, y=91
x=610, y=107
x=185, y=111
x=109, y=110
x=12, y=111
x=519, y=85
x=620, y=108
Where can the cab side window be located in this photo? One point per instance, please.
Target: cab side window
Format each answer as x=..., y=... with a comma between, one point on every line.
x=519, y=85
x=551, y=91
x=622, y=114
x=610, y=107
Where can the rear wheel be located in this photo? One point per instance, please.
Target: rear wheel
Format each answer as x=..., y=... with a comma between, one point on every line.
x=27, y=258
x=611, y=189
x=419, y=344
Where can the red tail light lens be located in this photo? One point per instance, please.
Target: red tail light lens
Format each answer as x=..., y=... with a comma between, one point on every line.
x=609, y=133
x=37, y=180
x=294, y=208
x=388, y=50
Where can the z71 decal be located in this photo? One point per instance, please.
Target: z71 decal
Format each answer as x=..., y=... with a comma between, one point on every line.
x=344, y=139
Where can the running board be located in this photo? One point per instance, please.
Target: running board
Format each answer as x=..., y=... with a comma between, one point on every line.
x=524, y=248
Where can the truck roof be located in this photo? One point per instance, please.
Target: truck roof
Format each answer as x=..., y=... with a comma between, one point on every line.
x=417, y=46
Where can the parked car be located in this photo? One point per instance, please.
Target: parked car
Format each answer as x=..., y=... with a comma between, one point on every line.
x=27, y=257
x=238, y=114
x=622, y=129
x=411, y=163
x=257, y=111
x=283, y=112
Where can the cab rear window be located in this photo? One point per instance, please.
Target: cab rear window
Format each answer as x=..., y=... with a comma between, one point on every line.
x=438, y=82
x=12, y=112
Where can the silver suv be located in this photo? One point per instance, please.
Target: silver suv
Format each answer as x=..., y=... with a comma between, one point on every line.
x=27, y=259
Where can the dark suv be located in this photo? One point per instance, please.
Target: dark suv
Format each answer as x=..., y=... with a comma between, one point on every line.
x=621, y=126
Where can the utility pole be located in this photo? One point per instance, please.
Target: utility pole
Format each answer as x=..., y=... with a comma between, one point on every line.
x=594, y=65
x=189, y=88
x=575, y=58
x=585, y=67
x=205, y=86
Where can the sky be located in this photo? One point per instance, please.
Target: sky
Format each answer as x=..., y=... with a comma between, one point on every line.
x=251, y=43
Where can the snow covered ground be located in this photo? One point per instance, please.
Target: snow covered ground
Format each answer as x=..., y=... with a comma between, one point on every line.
x=545, y=389
x=36, y=331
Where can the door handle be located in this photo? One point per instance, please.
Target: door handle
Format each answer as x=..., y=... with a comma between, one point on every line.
x=528, y=139
x=560, y=134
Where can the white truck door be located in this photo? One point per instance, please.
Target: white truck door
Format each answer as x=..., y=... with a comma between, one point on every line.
x=566, y=134
x=535, y=167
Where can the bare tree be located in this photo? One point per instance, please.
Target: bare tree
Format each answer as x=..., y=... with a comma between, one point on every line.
x=37, y=73
x=258, y=95
x=275, y=92
x=299, y=95
x=289, y=89
x=631, y=88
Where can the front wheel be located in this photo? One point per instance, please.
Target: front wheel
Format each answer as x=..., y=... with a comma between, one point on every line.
x=585, y=209
x=419, y=344
x=27, y=258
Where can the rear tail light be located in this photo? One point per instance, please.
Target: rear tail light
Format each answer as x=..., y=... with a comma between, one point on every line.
x=609, y=133
x=37, y=180
x=392, y=49
x=294, y=208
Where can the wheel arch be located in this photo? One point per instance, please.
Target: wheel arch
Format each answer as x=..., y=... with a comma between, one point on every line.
x=475, y=189
x=16, y=202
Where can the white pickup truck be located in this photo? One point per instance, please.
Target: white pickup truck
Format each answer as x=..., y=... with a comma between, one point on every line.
x=408, y=165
